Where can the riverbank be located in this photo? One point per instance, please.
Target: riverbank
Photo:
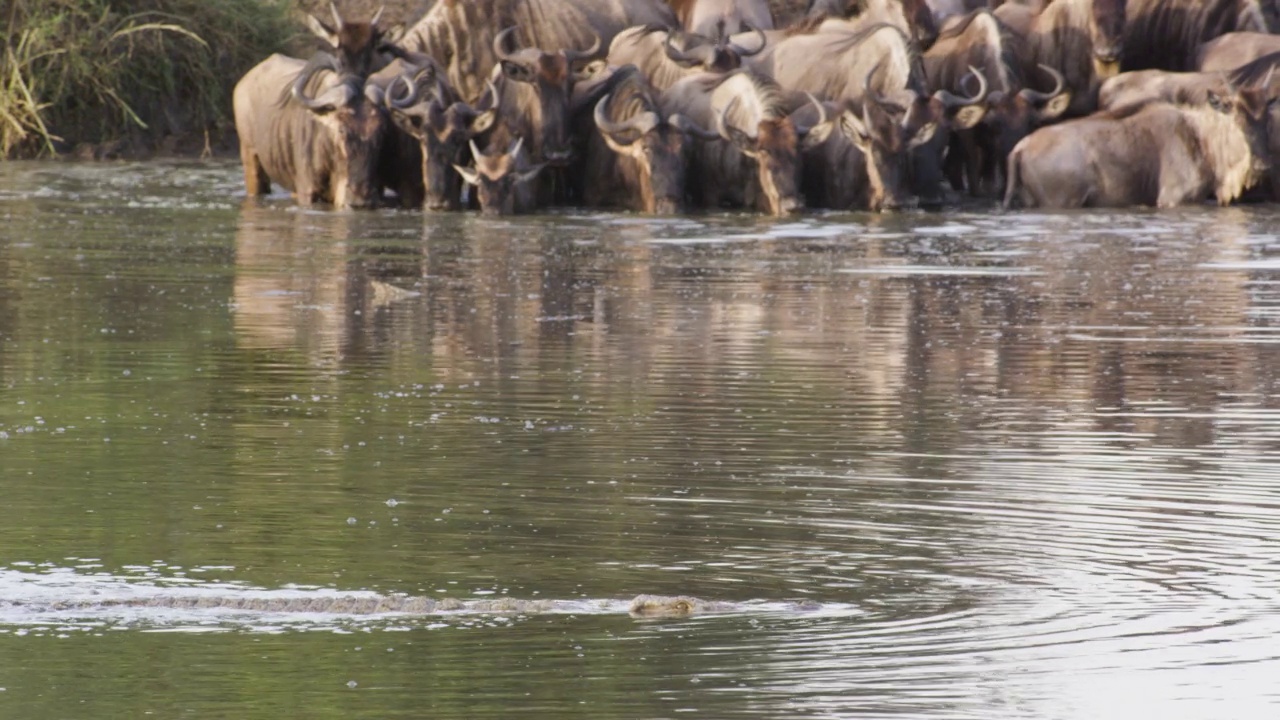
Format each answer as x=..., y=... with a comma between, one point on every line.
x=109, y=79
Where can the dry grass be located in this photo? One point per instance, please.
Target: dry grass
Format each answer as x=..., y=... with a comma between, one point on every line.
x=97, y=71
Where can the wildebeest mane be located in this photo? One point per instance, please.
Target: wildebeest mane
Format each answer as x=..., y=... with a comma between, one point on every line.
x=1164, y=34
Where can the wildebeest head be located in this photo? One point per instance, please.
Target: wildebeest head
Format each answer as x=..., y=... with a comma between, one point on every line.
x=362, y=48
x=1106, y=31
x=909, y=127
x=775, y=144
x=443, y=125
x=719, y=54
x=1250, y=107
x=497, y=177
x=657, y=145
x=551, y=75
x=1012, y=116
x=352, y=117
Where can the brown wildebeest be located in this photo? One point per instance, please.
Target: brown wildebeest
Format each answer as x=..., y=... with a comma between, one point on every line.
x=310, y=130
x=503, y=179
x=1233, y=50
x=756, y=163
x=666, y=56
x=1156, y=154
x=701, y=17
x=362, y=48
x=1144, y=86
x=1165, y=34
x=979, y=40
x=637, y=157
x=424, y=106
x=460, y=34
x=1083, y=40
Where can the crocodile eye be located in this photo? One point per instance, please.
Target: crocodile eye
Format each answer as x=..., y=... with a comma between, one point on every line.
x=684, y=606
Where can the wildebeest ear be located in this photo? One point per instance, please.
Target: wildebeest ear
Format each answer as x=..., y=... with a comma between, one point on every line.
x=924, y=135
x=392, y=35
x=322, y=31
x=1054, y=108
x=590, y=70
x=517, y=72
x=817, y=135
x=967, y=116
x=471, y=176
x=483, y=121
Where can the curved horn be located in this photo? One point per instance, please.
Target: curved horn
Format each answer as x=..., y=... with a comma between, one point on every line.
x=500, y=40
x=377, y=15
x=952, y=100
x=322, y=61
x=1059, y=84
x=411, y=97
x=822, y=116
x=514, y=150
x=572, y=55
x=475, y=151
x=674, y=53
x=722, y=124
x=337, y=19
x=686, y=125
x=743, y=52
x=866, y=88
x=608, y=127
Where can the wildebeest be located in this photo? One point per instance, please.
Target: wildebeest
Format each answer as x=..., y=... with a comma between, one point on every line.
x=459, y=34
x=757, y=163
x=424, y=106
x=361, y=48
x=1082, y=39
x=849, y=51
x=637, y=157
x=665, y=56
x=702, y=16
x=1013, y=110
x=503, y=179
x=311, y=130
x=1143, y=86
x=1232, y=50
x=1155, y=154
x=1165, y=34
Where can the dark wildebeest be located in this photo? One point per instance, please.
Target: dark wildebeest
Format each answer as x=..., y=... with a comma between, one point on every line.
x=459, y=34
x=503, y=179
x=534, y=88
x=757, y=161
x=637, y=156
x=914, y=17
x=424, y=106
x=1082, y=39
x=311, y=130
x=1156, y=154
x=362, y=48
x=1234, y=50
x=701, y=17
x=1165, y=34
x=666, y=56
x=979, y=40
x=864, y=165
x=850, y=50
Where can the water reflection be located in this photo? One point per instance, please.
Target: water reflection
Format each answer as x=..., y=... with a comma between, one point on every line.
x=1036, y=451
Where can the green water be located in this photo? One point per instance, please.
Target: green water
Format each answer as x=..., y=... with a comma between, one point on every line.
x=1037, y=453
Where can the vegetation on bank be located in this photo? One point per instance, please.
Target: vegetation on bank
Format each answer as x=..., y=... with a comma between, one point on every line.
x=131, y=72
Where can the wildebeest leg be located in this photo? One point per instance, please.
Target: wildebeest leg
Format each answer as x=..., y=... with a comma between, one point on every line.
x=256, y=181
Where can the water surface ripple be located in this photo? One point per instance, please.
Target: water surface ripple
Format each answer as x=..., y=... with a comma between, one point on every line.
x=1029, y=463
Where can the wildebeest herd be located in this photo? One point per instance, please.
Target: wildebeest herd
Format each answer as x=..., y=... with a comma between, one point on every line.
x=662, y=107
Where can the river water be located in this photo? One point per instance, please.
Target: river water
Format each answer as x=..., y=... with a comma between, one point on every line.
x=1026, y=464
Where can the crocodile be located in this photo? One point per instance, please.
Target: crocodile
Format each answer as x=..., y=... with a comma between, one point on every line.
x=643, y=606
